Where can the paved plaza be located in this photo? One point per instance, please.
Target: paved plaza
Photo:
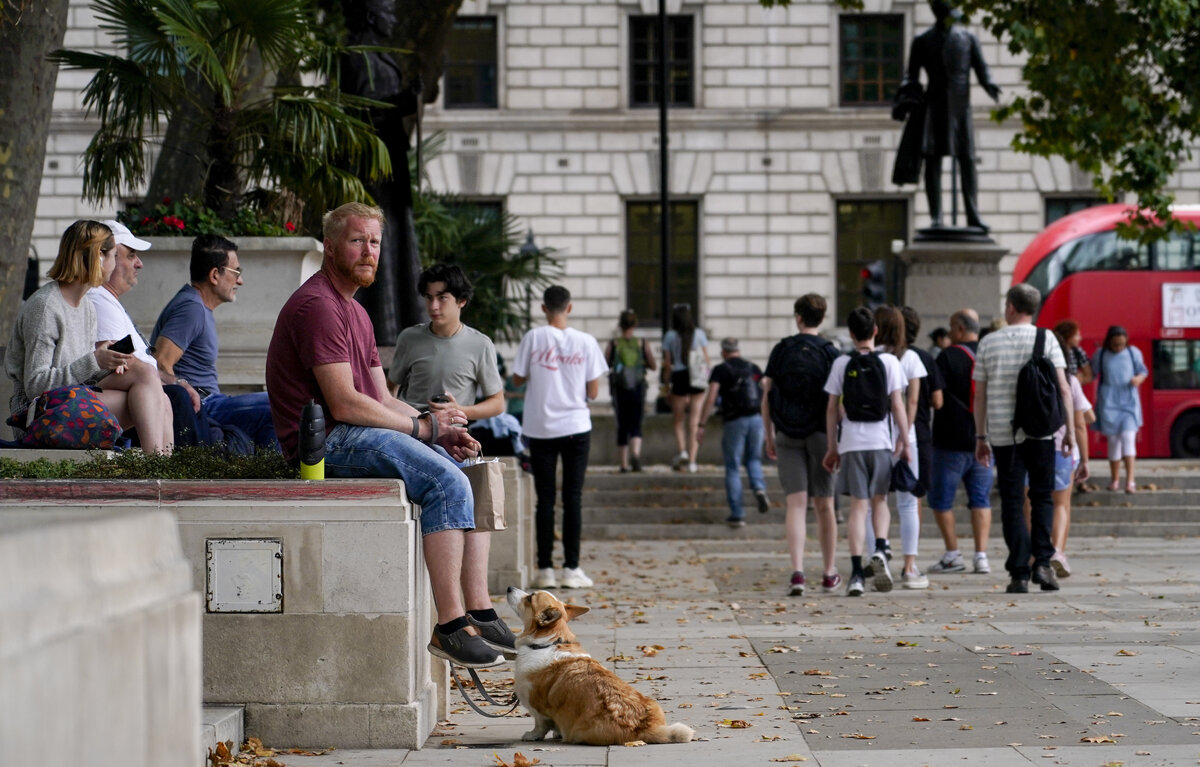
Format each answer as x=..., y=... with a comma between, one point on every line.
x=1104, y=672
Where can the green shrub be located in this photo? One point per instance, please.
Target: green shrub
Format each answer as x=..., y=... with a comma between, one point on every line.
x=197, y=462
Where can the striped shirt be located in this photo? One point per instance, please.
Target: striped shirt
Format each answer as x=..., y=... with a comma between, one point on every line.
x=997, y=363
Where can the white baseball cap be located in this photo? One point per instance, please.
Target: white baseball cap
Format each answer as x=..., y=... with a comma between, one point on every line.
x=125, y=237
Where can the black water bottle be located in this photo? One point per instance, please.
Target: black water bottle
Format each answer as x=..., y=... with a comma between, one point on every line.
x=312, y=441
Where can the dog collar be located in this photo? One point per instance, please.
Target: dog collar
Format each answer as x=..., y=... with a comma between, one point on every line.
x=546, y=646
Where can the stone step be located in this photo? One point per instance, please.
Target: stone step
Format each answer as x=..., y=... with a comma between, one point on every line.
x=774, y=531
x=221, y=724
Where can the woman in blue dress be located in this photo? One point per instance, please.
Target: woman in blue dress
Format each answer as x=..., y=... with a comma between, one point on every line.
x=1121, y=371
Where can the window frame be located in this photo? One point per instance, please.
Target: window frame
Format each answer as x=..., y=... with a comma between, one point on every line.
x=885, y=97
x=633, y=65
x=495, y=61
x=691, y=268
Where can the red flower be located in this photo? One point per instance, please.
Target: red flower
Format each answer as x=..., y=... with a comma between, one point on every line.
x=146, y=220
x=290, y=226
x=166, y=201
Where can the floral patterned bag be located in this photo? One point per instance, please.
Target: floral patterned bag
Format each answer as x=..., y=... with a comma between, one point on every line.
x=69, y=417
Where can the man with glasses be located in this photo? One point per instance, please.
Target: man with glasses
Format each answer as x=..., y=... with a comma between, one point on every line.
x=184, y=339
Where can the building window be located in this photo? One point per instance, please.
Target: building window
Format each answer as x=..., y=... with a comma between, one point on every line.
x=471, y=54
x=872, y=53
x=865, y=231
x=643, y=259
x=1057, y=207
x=643, y=61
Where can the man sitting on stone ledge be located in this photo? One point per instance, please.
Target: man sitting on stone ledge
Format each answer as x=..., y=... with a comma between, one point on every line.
x=184, y=339
x=323, y=349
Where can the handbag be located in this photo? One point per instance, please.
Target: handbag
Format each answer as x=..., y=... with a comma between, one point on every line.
x=697, y=370
x=70, y=417
x=905, y=481
x=487, y=487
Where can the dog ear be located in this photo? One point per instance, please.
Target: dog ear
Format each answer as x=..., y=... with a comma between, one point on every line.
x=548, y=616
x=574, y=611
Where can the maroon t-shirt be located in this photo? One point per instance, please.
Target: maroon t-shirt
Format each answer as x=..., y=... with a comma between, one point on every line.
x=316, y=326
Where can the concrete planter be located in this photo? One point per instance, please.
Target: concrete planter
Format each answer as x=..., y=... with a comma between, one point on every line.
x=341, y=661
x=273, y=268
x=344, y=663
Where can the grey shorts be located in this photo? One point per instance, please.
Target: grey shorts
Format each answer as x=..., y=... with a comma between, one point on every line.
x=800, y=469
x=867, y=473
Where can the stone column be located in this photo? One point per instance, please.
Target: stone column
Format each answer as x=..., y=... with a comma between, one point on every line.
x=945, y=276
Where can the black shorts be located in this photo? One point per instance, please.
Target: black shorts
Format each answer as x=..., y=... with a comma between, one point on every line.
x=681, y=384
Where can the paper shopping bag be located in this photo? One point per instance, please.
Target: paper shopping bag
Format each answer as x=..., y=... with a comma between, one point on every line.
x=487, y=486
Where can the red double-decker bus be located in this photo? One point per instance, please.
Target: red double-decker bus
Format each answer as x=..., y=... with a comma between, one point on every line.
x=1086, y=273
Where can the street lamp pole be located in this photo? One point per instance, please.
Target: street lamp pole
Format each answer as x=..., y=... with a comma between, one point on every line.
x=664, y=209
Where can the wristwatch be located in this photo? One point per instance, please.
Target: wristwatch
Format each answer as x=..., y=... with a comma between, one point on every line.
x=981, y=437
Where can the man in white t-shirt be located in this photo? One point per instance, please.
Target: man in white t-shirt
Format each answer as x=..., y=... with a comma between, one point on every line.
x=1002, y=354
x=563, y=368
x=866, y=448
x=113, y=323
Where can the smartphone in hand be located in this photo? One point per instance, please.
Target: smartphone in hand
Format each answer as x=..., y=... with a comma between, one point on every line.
x=124, y=346
x=439, y=398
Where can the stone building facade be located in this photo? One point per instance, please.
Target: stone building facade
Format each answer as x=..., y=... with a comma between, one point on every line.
x=781, y=147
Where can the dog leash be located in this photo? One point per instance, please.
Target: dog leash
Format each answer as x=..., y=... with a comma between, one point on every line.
x=511, y=702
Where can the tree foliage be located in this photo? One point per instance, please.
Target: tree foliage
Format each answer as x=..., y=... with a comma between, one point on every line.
x=257, y=83
x=1113, y=87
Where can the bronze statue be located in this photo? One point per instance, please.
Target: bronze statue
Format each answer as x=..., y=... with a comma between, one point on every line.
x=392, y=302
x=939, y=119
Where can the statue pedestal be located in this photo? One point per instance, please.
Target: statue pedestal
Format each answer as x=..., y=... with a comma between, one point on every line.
x=946, y=275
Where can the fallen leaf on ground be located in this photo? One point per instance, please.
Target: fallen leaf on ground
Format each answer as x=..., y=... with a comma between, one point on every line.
x=769, y=738
x=817, y=672
x=920, y=719
x=519, y=760
x=857, y=736
x=790, y=758
x=734, y=724
x=1096, y=739
x=1127, y=653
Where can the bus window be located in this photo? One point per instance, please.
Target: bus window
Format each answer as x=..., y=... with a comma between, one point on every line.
x=1102, y=251
x=1177, y=364
x=1177, y=253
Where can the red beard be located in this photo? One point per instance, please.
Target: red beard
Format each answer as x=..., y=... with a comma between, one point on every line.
x=362, y=280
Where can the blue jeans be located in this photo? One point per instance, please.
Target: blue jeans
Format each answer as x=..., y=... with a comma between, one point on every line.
x=431, y=479
x=543, y=457
x=741, y=442
x=249, y=412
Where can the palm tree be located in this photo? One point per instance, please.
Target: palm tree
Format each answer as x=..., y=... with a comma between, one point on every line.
x=253, y=86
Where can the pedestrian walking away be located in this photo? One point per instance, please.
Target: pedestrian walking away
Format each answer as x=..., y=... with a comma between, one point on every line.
x=1018, y=407
x=793, y=410
x=628, y=359
x=563, y=367
x=735, y=382
x=954, y=458
x=869, y=384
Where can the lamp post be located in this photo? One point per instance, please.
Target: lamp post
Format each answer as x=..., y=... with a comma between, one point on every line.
x=530, y=250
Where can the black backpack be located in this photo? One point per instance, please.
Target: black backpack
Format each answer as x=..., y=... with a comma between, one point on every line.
x=744, y=396
x=797, y=396
x=1038, y=410
x=864, y=388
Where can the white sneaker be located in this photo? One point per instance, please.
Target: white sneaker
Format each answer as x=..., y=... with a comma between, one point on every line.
x=883, y=576
x=915, y=580
x=678, y=461
x=545, y=579
x=692, y=468
x=981, y=563
x=574, y=578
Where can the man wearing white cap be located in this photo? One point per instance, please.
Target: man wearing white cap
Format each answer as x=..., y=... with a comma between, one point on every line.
x=114, y=323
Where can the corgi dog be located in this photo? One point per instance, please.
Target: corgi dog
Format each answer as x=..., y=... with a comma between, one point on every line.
x=569, y=692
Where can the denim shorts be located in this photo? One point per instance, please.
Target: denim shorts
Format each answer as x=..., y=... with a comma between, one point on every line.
x=1064, y=471
x=952, y=466
x=431, y=479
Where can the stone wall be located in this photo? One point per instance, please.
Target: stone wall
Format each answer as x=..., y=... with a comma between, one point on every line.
x=100, y=639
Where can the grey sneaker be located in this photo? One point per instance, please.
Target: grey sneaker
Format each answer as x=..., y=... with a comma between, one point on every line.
x=497, y=634
x=949, y=564
x=915, y=580
x=466, y=649
x=883, y=576
x=1062, y=567
x=981, y=563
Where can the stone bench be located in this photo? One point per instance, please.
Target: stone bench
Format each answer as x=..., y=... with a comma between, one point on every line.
x=317, y=601
x=99, y=637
